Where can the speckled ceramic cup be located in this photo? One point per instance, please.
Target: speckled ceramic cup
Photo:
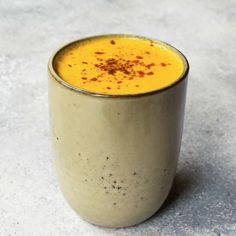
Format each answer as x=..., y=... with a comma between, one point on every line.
x=116, y=156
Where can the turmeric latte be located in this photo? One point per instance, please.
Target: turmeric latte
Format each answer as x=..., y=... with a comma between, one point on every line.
x=119, y=65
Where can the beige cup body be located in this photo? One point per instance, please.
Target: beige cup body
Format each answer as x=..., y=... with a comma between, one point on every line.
x=116, y=157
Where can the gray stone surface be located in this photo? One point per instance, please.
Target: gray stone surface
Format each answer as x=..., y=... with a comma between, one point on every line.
x=203, y=198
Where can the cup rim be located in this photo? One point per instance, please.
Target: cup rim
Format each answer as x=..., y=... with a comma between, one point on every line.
x=57, y=78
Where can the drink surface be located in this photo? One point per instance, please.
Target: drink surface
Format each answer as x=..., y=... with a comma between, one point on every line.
x=119, y=65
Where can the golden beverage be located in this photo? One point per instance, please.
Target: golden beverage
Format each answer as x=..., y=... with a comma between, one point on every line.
x=119, y=65
x=116, y=111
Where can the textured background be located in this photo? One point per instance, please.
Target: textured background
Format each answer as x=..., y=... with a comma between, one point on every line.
x=203, y=198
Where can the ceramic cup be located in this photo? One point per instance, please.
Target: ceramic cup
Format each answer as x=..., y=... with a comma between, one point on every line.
x=116, y=156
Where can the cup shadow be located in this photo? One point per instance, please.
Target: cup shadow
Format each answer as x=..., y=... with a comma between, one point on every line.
x=183, y=184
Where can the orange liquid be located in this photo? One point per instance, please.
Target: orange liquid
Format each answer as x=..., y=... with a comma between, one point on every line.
x=119, y=65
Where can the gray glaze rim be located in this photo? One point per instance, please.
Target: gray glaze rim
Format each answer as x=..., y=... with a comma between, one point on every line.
x=57, y=78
